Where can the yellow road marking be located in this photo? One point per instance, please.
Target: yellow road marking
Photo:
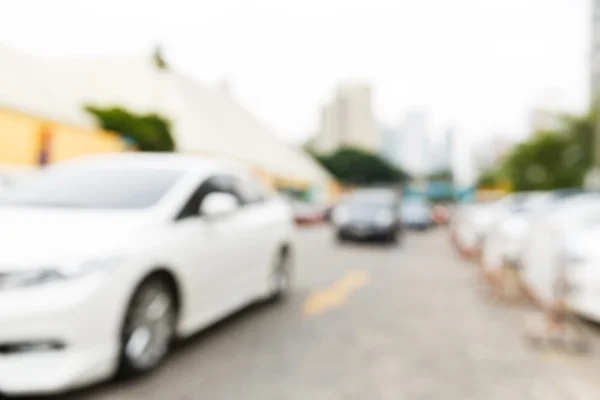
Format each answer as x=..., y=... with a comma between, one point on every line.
x=556, y=357
x=336, y=295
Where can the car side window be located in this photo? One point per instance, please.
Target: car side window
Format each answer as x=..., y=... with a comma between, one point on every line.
x=217, y=183
x=250, y=192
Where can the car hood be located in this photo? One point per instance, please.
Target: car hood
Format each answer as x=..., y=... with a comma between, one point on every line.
x=29, y=236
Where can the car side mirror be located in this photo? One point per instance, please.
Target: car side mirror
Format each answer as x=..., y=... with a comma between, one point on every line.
x=217, y=205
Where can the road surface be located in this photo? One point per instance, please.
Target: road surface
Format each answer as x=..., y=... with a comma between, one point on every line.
x=368, y=323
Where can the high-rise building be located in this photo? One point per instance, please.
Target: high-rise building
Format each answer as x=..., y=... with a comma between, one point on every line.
x=389, y=147
x=326, y=139
x=450, y=144
x=443, y=154
x=595, y=51
x=414, y=144
x=348, y=120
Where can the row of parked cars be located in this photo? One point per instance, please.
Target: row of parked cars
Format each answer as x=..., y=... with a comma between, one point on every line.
x=549, y=238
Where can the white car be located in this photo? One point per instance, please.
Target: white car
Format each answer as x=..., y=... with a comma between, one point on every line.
x=473, y=222
x=105, y=260
x=506, y=240
x=582, y=270
x=546, y=248
x=8, y=179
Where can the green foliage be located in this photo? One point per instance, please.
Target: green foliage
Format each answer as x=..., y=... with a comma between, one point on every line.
x=359, y=167
x=150, y=132
x=441, y=176
x=549, y=160
x=581, y=129
x=491, y=178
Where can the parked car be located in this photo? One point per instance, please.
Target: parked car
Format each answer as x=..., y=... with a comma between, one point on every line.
x=369, y=214
x=306, y=213
x=8, y=179
x=107, y=259
x=469, y=225
x=506, y=241
x=473, y=222
x=416, y=215
x=546, y=249
x=582, y=275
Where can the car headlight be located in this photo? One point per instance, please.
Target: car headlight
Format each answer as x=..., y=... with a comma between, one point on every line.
x=384, y=218
x=38, y=276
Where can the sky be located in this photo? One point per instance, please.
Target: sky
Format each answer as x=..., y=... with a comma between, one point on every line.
x=480, y=65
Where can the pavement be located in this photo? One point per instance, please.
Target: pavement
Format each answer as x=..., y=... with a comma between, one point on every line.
x=368, y=322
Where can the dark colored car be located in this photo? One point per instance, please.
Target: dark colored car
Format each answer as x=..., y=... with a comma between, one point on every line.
x=416, y=215
x=369, y=214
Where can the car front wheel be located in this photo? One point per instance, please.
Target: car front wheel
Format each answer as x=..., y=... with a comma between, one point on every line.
x=148, y=329
x=280, y=280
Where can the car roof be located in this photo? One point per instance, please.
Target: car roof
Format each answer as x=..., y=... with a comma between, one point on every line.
x=374, y=194
x=186, y=162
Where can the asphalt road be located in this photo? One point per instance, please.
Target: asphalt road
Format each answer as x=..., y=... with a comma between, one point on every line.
x=365, y=322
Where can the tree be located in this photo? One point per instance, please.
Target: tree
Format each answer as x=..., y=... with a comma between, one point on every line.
x=150, y=132
x=359, y=167
x=548, y=161
x=581, y=128
x=491, y=178
x=445, y=175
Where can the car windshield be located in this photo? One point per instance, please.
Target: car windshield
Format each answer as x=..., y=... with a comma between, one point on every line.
x=365, y=207
x=415, y=207
x=92, y=188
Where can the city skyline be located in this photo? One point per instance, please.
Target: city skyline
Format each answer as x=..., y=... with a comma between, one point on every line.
x=512, y=70
x=347, y=120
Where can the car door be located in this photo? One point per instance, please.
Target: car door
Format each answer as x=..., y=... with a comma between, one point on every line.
x=207, y=252
x=258, y=222
x=235, y=234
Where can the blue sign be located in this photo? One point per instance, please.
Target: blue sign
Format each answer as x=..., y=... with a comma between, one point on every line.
x=440, y=190
x=430, y=190
x=130, y=143
x=466, y=195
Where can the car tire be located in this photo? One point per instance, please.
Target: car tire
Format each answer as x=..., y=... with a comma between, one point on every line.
x=341, y=239
x=148, y=329
x=393, y=239
x=280, y=279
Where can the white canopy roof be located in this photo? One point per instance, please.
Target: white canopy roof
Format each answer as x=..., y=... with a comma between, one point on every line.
x=205, y=120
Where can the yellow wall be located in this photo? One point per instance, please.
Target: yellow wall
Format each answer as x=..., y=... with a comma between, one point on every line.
x=20, y=140
x=69, y=142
